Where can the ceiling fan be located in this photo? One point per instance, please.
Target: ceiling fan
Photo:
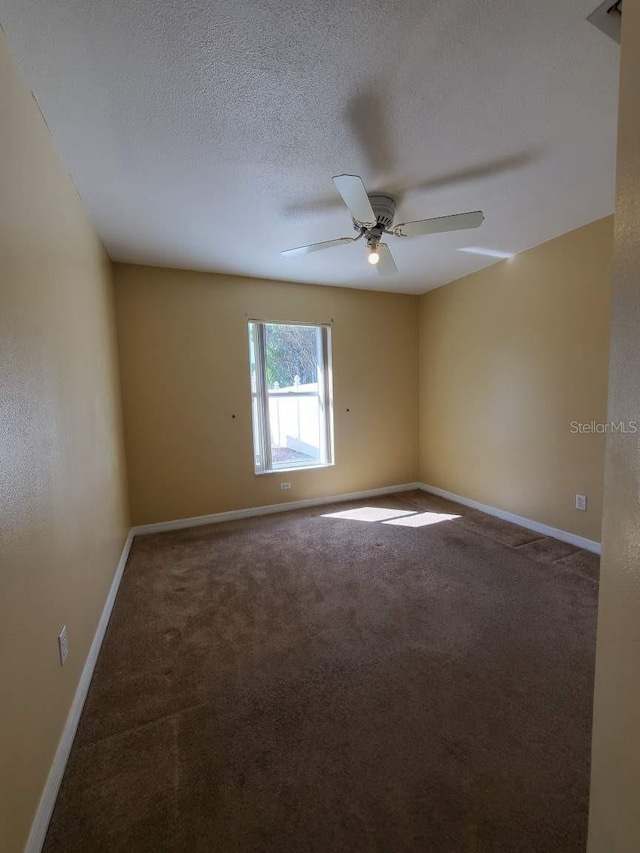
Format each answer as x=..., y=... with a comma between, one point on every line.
x=373, y=216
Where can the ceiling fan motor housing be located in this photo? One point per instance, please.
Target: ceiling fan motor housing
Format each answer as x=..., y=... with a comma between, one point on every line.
x=384, y=208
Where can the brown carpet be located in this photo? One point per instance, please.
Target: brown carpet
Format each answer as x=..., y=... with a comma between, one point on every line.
x=302, y=683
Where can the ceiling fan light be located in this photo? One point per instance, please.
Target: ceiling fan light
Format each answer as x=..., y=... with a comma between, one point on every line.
x=374, y=257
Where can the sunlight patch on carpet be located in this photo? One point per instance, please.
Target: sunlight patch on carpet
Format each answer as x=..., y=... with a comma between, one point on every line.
x=369, y=513
x=422, y=519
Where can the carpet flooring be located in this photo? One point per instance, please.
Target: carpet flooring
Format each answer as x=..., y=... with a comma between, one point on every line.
x=314, y=682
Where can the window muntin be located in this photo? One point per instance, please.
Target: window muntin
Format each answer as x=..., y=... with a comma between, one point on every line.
x=291, y=395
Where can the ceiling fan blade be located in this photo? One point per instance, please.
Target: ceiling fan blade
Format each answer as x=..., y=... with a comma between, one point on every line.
x=354, y=195
x=457, y=222
x=386, y=265
x=316, y=247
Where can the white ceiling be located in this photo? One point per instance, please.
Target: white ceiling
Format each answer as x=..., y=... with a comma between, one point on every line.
x=204, y=134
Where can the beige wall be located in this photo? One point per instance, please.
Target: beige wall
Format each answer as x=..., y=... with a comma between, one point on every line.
x=509, y=357
x=614, y=825
x=63, y=515
x=185, y=373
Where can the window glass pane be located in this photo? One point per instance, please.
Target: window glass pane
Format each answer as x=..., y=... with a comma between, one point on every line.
x=296, y=409
x=292, y=356
x=290, y=395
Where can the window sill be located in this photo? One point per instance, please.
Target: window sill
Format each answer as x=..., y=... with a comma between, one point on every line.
x=295, y=468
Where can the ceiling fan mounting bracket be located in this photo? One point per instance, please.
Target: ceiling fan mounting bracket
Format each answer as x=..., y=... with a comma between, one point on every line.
x=384, y=208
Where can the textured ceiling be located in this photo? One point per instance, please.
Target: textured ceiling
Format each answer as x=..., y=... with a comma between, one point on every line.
x=204, y=134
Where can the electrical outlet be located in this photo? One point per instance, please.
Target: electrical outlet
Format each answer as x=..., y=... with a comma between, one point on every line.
x=63, y=645
x=284, y=486
x=581, y=502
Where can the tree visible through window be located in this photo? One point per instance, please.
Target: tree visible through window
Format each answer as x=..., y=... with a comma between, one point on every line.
x=291, y=395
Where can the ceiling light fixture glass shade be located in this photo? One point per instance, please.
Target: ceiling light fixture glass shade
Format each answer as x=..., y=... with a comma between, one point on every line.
x=374, y=257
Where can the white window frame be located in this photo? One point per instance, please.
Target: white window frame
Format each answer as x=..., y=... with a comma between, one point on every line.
x=263, y=462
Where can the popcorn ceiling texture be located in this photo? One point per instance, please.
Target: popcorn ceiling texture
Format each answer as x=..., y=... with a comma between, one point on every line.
x=205, y=134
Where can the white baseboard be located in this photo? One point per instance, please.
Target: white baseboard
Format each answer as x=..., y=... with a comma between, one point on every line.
x=545, y=529
x=50, y=792
x=269, y=509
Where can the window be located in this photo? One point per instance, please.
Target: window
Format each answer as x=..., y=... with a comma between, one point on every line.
x=291, y=396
